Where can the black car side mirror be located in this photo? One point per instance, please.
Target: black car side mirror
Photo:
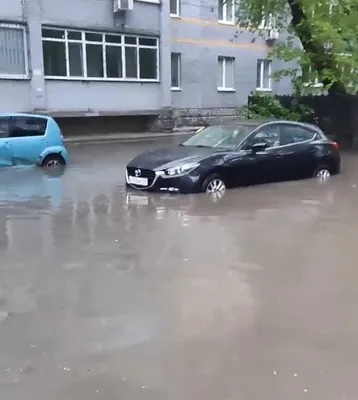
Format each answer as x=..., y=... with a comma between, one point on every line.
x=257, y=147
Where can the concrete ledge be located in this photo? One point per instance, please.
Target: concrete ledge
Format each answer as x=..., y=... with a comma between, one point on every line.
x=187, y=128
x=94, y=113
x=124, y=137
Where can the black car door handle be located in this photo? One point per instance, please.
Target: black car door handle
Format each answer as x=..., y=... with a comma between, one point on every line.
x=282, y=155
x=285, y=154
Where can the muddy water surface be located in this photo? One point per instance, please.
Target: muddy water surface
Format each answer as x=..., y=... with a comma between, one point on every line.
x=109, y=295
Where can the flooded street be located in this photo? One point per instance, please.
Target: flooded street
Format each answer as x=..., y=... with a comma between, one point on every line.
x=116, y=296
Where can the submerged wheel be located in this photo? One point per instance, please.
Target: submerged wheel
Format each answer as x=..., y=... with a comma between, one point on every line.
x=322, y=173
x=53, y=161
x=214, y=184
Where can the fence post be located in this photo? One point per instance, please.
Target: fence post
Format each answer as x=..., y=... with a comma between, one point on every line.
x=344, y=119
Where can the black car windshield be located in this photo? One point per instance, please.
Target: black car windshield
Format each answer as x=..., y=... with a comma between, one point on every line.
x=226, y=137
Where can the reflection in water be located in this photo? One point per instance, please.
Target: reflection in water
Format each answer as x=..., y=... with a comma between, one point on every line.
x=26, y=193
x=68, y=216
x=81, y=223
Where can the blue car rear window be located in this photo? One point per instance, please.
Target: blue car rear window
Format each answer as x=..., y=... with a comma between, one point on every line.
x=27, y=126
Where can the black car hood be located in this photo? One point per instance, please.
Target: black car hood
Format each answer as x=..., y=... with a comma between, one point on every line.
x=171, y=157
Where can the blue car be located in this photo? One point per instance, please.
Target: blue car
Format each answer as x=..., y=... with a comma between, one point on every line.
x=29, y=139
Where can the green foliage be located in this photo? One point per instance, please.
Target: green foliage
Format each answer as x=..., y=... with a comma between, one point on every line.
x=321, y=46
x=267, y=106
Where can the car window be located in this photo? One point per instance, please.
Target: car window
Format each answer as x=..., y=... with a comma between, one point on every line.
x=221, y=136
x=27, y=126
x=4, y=127
x=291, y=134
x=270, y=135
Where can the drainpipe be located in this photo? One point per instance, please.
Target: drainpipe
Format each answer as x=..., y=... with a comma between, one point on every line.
x=32, y=15
x=165, y=52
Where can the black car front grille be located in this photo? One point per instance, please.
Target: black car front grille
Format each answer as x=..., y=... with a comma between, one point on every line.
x=144, y=173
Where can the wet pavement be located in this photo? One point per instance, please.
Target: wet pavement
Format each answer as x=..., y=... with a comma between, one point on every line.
x=115, y=296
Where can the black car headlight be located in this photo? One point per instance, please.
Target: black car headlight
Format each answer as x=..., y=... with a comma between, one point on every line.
x=181, y=169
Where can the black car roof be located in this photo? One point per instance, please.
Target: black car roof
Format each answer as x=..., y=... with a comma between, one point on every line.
x=244, y=122
x=258, y=123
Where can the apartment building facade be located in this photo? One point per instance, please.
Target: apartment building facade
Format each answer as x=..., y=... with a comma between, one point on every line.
x=184, y=59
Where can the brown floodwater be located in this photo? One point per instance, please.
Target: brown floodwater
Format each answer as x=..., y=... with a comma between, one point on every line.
x=112, y=295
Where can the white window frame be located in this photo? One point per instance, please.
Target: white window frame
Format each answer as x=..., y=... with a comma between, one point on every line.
x=267, y=23
x=314, y=84
x=103, y=43
x=177, y=88
x=331, y=5
x=26, y=75
x=225, y=7
x=177, y=11
x=352, y=68
x=224, y=60
x=261, y=88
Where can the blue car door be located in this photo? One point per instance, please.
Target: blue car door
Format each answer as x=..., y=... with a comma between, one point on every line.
x=27, y=138
x=6, y=154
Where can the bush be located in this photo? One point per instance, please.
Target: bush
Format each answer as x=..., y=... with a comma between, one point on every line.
x=267, y=106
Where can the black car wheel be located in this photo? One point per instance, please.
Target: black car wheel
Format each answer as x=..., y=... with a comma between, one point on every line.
x=214, y=184
x=322, y=173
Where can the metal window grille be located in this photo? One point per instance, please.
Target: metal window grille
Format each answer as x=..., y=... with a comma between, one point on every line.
x=13, y=52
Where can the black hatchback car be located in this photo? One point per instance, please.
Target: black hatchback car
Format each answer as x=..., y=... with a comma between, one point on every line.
x=220, y=157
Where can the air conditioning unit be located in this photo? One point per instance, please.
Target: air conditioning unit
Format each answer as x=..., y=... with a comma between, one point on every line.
x=122, y=5
x=272, y=34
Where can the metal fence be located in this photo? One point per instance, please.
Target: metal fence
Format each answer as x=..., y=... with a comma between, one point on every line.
x=337, y=115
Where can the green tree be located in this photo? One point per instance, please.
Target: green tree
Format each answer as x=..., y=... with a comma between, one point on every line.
x=321, y=39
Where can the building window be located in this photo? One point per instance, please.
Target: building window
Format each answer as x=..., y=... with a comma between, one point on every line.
x=227, y=11
x=268, y=22
x=310, y=78
x=263, y=80
x=175, y=8
x=176, y=70
x=74, y=54
x=13, y=52
x=226, y=73
x=347, y=69
x=333, y=8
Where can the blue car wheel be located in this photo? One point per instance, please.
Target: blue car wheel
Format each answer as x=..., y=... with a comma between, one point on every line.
x=53, y=160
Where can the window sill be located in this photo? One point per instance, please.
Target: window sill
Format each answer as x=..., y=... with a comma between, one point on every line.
x=227, y=90
x=149, y=1
x=81, y=79
x=176, y=89
x=263, y=90
x=314, y=85
x=175, y=16
x=15, y=77
x=228, y=23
